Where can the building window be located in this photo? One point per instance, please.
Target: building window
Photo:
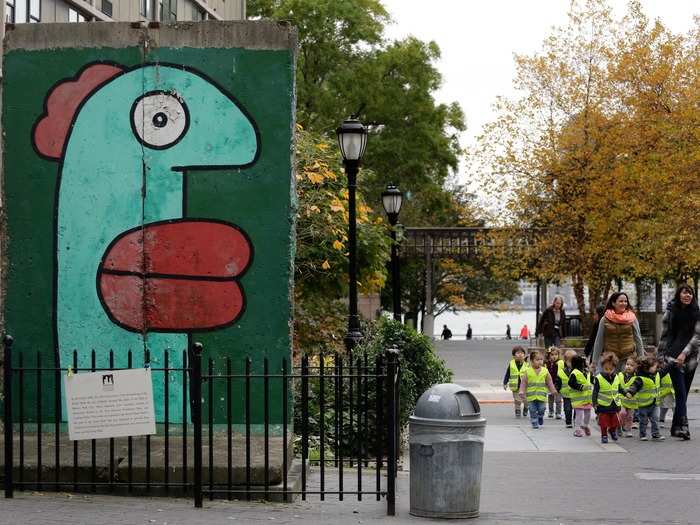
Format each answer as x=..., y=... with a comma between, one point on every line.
x=75, y=16
x=10, y=11
x=168, y=11
x=34, y=10
x=198, y=13
x=107, y=7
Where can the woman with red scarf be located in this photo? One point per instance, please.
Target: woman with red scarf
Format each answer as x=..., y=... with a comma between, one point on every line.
x=618, y=331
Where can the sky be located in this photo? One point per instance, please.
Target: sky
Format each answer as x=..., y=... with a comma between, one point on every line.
x=477, y=39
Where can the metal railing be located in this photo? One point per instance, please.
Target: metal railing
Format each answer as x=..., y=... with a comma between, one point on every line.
x=331, y=412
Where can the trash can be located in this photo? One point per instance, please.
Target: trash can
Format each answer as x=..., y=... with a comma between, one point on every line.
x=446, y=437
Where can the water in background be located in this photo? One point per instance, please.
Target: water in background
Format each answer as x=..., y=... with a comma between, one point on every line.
x=486, y=323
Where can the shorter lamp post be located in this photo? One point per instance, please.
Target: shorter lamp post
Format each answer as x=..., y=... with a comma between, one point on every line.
x=352, y=139
x=392, y=199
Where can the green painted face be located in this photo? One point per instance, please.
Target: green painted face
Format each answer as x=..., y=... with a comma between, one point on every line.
x=161, y=169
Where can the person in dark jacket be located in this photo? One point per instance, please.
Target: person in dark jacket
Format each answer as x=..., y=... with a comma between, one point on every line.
x=680, y=342
x=469, y=331
x=446, y=333
x=599, y=312
x=552, y=323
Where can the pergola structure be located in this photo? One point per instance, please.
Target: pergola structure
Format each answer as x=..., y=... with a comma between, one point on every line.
x=440, y=243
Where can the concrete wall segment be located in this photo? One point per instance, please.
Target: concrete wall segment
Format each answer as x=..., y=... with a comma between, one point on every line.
x=208, y=34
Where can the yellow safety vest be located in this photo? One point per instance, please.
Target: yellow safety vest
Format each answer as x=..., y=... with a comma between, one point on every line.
x=583, y=397
x=624, y=401
x=608, y=393
x=536, y=385
x=514, y=374
x=649, y=393
x=565, y=390
x=665, y=386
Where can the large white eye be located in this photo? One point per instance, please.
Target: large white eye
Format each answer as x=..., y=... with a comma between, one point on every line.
x=159, y=119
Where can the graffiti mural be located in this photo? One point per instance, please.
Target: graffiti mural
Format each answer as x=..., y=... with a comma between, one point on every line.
x=156, y=236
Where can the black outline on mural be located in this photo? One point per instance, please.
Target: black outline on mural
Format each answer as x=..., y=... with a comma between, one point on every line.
x=145, y=330
x=182, y=134
x=183, y=169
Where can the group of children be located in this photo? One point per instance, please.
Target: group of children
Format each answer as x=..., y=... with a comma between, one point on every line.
x=642, y=392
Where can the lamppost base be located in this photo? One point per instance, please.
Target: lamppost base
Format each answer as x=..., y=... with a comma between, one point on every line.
x=352, y=339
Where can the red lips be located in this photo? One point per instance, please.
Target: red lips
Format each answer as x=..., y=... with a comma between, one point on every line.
x=176, y=276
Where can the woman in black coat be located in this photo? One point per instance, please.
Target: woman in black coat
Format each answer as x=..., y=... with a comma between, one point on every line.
x=552, y=323
x=680, y=341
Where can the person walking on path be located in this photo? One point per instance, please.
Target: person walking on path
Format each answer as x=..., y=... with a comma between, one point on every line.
x=645, y=391
x=446, y=333
x=524, y=332
x=599, y=313
x=618, y=332
x=606, y=398
x=469, y=331
x=554, y=364
x=508, y=336
x=552, y=323
x=535, y=382
x=680, y=341
x=516, y=367
x=581, y=395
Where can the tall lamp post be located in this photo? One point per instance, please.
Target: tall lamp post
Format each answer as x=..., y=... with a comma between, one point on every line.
x=392, y=199
x=352, y=139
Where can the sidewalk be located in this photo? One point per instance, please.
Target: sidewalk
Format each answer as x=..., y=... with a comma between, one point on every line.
x=545, y=476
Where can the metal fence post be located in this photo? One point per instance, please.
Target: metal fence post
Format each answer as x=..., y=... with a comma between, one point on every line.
x=196, y=410
x=392, y=424
x=7, y=391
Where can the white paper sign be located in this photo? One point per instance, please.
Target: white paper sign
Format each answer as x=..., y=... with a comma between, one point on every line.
x=108, y=404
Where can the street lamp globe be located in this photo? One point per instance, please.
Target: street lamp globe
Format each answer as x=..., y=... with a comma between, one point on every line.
x=392, y=199
x=352, y=139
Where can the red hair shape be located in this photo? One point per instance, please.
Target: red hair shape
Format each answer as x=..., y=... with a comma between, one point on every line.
x=62, y=102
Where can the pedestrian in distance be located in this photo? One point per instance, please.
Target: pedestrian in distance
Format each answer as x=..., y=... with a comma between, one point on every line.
x=581, y=395
x=469, y=331
x=645, y=390
x=628, y=405
x=552, y=323
x=508, y=332
x=562, y=382
x=606, y=398
x=535, y=383
x=446, y=333
x=554, y=363
x=680, y=341
x=524, y=332
x=516, y=367
x=618, y=332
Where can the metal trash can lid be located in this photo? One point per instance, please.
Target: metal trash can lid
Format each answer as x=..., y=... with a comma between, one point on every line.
x=447, y=404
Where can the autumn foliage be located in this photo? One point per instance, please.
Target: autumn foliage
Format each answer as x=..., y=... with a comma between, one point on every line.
x=596, y=165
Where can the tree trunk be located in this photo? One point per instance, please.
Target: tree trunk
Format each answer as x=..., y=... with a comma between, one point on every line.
x=579, y=285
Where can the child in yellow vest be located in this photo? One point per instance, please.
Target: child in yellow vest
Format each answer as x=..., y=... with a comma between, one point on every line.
x=581, y=395
x=645, y=390
x=629, y=405
x=606, y=397
x=562, y=384
x=516, y=367
x=554, y=363
x=667, y=396
x=535, y=382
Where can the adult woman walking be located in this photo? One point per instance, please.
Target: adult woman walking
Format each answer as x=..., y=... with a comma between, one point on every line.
x=618, y=331
x=552, y=323
x=680, y=340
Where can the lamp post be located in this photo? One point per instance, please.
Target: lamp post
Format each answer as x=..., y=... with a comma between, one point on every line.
x=392, y=199
x=352, y=139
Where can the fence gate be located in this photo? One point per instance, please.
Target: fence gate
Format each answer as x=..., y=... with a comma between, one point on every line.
x=275, y=431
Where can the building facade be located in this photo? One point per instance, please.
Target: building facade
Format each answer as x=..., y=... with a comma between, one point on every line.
x=33, y=11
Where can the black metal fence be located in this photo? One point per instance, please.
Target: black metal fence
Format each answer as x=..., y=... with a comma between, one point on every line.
x=335, y=414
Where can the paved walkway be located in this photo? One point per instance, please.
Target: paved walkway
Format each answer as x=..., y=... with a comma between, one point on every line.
x=530, y=477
